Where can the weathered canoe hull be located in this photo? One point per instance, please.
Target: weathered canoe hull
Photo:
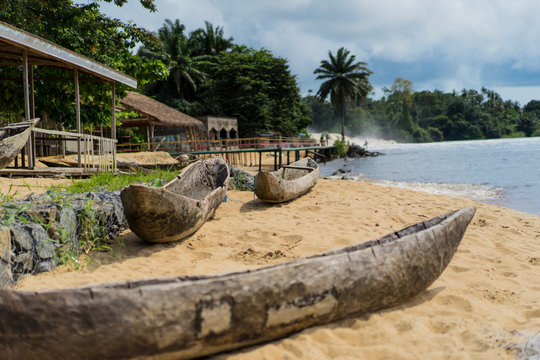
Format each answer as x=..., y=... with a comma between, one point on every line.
x=10, y=146
x=158, y=214
x=192, y=317
x=274, y=186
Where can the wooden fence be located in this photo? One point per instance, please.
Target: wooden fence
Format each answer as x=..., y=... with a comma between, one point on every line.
x=189, y=146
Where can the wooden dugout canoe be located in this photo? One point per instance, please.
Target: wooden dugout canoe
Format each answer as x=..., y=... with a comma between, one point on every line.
x=196, y=316
x=287, y=183
x=180, y=207
x=12, y=139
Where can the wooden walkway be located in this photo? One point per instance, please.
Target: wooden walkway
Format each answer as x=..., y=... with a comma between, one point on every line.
x=67, y=172
x=237, y=157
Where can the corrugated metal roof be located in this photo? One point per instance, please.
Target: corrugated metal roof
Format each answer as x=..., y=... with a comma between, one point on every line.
x=39, y=48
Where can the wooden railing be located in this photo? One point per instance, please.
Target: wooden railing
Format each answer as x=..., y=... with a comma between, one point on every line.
x=215, y=145
x=93, y=152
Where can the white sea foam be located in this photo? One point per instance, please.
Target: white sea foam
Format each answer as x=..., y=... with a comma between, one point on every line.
x=362, y=140
x=371, y=142
x=476, y=192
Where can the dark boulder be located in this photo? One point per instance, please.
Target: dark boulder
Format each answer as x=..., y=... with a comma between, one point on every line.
x=356, y=151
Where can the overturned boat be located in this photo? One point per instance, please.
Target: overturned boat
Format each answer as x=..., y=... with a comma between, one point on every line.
x=13, y=138
x=180, y=207
x=191, y=317
x=287, y=183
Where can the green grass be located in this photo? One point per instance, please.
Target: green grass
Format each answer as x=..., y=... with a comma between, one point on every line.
x=111, y=182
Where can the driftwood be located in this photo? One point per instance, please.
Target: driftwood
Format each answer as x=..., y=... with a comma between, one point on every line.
x=180, y=207
x=288, y=182
x=196, y=316
x=12, y=139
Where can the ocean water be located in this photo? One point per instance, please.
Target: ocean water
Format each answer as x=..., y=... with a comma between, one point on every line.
x=503, y=171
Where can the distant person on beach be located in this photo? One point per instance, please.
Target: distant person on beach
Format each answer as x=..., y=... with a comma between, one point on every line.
x=365, y=144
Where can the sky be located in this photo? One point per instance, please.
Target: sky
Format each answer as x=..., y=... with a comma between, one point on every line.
x=438, y=45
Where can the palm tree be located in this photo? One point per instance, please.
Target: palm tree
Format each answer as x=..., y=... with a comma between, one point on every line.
x=345, y=80
x=184, y=67
x=210, y=41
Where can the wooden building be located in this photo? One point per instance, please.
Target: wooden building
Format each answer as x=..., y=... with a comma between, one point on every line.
x=27, y=51
x=162, y=122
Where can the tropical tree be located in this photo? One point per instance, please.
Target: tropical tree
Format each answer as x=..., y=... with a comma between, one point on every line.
x=258, y=89
x=210, y=40
x=85, y=30
x=184, y=68
x=345, y=80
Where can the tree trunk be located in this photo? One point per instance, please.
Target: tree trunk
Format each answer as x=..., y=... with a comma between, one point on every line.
x=342, y=113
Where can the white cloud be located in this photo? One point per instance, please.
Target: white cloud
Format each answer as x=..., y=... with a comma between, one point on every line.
x=460, y=38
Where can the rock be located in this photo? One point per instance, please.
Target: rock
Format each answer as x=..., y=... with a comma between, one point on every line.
x=5, y=244
x=241, y=180
x=23, y=262
x=356, y=151
x=341, y=171
x=45, y=265
x=64, y=229
x=183, y=159
x=21, y=238
x=43, y=244
x=43, y=224
x=6, y=277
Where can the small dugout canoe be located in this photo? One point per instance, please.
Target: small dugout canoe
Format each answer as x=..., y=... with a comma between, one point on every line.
x=287, y=183
x=180, y=207
x=188, y=317
x=13, y=138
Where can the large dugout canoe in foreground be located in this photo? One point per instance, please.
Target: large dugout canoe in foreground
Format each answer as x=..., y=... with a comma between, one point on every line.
x=196, y=316
x=180, y=207
x=287, y=183
x=12, y=139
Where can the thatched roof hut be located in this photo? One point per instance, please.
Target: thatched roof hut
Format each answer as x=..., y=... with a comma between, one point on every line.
x=155, y=113
x=161, y=121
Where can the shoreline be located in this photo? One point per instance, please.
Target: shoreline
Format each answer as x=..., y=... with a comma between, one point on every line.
x=484, y=305
x=498, y=171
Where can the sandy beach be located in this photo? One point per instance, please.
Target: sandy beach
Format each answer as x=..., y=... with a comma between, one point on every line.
x=486, y=304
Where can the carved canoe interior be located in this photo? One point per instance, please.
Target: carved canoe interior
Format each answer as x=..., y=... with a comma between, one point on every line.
x=288, y=182
x=177, y=209
x=191, y=317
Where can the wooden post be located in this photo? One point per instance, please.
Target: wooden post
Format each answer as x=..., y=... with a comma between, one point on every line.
x=25, y=86
x=32, y=101
x=152, y=136
x=113, y=126
x=26, y=90
x=78, y=116
x=32, y=152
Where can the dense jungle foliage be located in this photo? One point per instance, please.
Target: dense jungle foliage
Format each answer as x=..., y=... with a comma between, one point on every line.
x=83, y=29
x=424, y=116
x=203, y=72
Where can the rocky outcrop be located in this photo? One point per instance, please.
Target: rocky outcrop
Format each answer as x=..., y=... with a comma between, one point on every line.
x=241, y=180
x=356, y=151
x=40, y=232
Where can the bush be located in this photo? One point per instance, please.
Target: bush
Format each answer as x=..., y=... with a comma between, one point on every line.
x=341, y=149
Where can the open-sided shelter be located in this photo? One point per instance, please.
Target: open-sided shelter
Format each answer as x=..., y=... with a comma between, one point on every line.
x=20, y=48
x=161, y=121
